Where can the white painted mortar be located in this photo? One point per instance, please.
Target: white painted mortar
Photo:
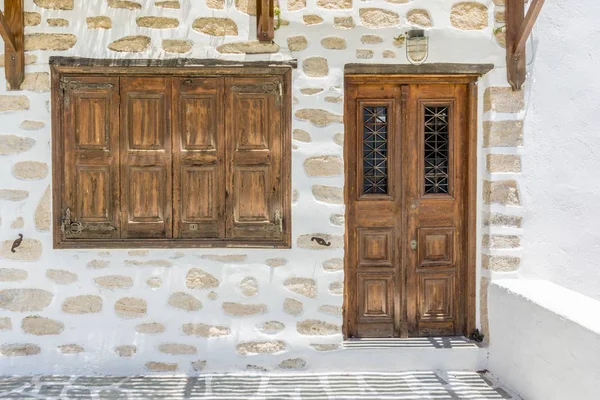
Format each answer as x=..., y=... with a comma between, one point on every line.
x=100, y=333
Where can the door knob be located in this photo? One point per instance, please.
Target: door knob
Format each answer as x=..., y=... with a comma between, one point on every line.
x=413, y=244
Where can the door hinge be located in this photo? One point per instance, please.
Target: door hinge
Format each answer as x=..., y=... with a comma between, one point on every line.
x=70, y=227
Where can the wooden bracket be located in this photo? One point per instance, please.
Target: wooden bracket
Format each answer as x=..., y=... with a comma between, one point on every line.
x=518, y=29
x=11, y=30
x=265, y=20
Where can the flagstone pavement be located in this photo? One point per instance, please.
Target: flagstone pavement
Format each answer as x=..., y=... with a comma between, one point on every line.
x=332, y=386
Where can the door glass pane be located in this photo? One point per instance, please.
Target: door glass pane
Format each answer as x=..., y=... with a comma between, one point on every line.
x=375, y=150
x=436, y=149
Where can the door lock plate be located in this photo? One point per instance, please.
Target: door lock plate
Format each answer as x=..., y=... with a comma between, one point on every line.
x=413, y=244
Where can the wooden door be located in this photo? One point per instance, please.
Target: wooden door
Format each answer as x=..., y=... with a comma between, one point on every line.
x=435, y=184
x=146, y=157
x=406, y=157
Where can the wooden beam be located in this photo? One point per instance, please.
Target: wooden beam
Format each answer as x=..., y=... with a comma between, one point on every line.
x=515, y=63
x=527, y=25
x=518, y=28
x=12, y=22
x=6, y=33
x=265, y=20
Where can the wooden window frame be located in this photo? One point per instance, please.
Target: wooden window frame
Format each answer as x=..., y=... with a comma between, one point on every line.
x=63, y=67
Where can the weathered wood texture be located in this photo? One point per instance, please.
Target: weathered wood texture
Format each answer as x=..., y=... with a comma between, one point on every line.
x=408, y=258
x=423, y=69
x=12, y=31
x=171, y=161
x=518, y=29
x=196, y=65
x=265, y=20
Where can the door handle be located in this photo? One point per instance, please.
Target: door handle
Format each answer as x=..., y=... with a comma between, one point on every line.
x=413, y=244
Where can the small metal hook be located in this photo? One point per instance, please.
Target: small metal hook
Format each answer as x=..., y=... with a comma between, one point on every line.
x=320, y=241
x=16, y=243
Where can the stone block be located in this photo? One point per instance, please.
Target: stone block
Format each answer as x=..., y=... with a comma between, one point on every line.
x=502, y=133
x=503, y=99
x=501, y=192
x=503, y=162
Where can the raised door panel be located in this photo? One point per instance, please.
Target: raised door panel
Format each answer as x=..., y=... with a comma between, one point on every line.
x=198, y=158
x=90, y=184
x=255, y=131
x=146, y=158
x=376, y=247
x=436, y=304
x=376, y=305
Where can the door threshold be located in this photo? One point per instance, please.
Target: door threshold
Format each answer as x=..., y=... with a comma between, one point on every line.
x=441, y=342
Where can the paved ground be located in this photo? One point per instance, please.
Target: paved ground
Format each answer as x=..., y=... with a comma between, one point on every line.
x=406, y=385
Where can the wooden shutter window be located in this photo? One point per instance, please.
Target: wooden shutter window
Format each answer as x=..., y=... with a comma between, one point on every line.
x=90, y=185
x=254, y=158
x=198, y=158
x=145, y=158
x=176, y=158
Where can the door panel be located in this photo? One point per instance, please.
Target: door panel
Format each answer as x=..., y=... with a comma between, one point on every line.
x=198, y=158
x=376, y=307
x=90, y=187
x=146, y=157
x=405, y=209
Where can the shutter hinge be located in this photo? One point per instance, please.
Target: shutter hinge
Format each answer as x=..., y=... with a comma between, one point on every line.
x=280, y=100
x=68, y=86
x=70, y=227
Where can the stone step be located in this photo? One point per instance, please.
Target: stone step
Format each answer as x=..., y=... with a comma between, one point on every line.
x=421, y=354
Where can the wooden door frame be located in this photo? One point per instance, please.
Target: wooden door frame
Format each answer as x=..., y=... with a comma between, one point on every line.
x=425, y=74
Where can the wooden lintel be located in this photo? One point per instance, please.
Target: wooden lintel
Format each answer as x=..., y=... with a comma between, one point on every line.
x=518, y=28
x=6, y=33
x=265, y=20
x=11, y=27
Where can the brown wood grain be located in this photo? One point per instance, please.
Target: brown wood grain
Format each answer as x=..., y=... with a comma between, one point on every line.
x=145, y=162
x=90, y=145
x=12, y=28
x=148, y=153
x=429, y=285
x=198, y=158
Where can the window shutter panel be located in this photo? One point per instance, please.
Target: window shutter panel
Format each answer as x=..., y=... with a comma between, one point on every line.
x=254, y=158
x=90, y=175
x=198, y=158
x=146, y=192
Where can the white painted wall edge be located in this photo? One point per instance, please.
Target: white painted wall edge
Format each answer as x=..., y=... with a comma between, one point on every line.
x=544, y=340
x=564, y=302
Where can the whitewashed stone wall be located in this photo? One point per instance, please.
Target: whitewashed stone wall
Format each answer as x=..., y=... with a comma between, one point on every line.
x=185, y=311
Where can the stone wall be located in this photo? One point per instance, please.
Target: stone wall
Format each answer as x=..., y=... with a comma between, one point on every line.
x=99, y=311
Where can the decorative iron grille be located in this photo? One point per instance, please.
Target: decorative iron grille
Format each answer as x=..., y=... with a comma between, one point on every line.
x=375, y=150
x=436, y=149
